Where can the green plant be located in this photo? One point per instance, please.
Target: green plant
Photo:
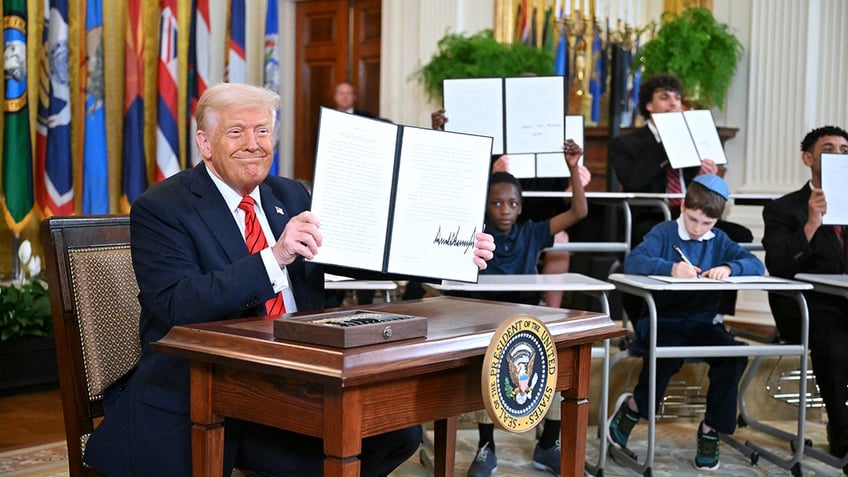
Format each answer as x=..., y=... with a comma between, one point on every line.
x=479, y=56
x=24, y=303
x=24, y=310
x=696, y=48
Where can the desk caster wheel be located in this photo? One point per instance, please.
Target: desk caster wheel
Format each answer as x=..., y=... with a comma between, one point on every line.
x=647, y=472
x=796, y=470
x=755, y=457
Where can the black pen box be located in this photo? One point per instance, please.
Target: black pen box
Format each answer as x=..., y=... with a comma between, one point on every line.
x=351, y=328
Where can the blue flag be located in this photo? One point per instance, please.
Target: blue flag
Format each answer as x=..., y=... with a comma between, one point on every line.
x=95, y=186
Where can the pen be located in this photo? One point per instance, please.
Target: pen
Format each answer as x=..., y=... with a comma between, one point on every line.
x=680, y=254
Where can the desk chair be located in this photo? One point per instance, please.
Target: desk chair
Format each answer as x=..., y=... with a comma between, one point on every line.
x=93, y=298
x=94, y=303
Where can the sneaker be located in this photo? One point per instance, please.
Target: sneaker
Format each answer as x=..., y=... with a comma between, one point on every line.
x=550, y=459
x=622, y=422
x=707, y=456
x=485, y=462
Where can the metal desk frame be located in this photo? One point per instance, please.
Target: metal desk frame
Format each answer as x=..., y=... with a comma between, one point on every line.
x=833, y=284
x=644, y=287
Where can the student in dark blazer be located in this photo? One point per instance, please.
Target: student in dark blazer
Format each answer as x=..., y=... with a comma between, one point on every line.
x=192, y=265
x=796, y=242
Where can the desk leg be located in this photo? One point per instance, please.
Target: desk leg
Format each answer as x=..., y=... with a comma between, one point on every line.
x=444, y=447
x=575, y=415
x=207, y=430
x=343, y=433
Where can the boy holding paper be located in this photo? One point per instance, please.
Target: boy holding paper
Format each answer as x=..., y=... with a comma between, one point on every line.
x=517, y=248
x=797, y=240
x=687, y=247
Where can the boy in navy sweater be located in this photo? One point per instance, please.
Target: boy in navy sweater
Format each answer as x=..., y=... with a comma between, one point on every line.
x=688, y=319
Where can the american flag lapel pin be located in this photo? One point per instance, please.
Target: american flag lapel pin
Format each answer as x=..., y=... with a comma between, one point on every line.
x=279, y=210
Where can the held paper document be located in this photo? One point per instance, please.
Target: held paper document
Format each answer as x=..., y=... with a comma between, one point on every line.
x=397, y=199
x=834, y=174
x=689, y=137
x=524, y=115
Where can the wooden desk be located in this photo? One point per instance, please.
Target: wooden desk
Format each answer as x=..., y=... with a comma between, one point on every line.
x=645, y=287
x=239, y=370
x=574, y=282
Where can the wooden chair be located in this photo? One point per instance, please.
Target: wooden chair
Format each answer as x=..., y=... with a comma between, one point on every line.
x=94, y=303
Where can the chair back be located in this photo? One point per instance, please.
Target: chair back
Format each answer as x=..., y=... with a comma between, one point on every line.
x=95, y=310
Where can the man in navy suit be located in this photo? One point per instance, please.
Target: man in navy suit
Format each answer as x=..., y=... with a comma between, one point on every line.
x=796, y=241
x=192, y=265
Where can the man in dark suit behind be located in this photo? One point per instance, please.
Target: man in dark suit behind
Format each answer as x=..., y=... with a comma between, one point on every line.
x=796, y=242
x=345, y=99
x=193, y=265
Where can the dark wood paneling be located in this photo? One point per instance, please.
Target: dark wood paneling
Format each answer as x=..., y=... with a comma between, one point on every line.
x=327, y=52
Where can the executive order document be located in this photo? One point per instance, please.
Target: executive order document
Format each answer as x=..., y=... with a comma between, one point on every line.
x=398, y=199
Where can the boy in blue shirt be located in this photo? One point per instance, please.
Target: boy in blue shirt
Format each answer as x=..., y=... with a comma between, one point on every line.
x=517, y=249
x=687, y=319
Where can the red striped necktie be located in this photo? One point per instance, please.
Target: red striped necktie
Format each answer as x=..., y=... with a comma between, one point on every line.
x=673, y=186
x=255, y=240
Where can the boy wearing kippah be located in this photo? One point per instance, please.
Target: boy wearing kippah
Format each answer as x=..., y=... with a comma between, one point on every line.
x=687, y=319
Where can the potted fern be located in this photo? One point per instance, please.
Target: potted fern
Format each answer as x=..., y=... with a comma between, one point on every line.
x=479, y=56
x=696, y=48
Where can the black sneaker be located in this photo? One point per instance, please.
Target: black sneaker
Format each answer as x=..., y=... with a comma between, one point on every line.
x=707, y=456
x=485, y=462
x=622, y=422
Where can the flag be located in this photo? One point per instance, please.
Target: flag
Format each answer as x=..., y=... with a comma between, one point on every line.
x=548, y=31
x=272, y=70
x=167, y=131
x=236, y=60
x=95, y=185
x=17, y=150
x=199, y=67
x=54, y=175
x=595, y=78
x=134, y=168
x=561, y=57
x=637, y=80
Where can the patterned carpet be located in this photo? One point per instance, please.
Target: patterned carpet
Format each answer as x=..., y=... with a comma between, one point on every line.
x=675, y=448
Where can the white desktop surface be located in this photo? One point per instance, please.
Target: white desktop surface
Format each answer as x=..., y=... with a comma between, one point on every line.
x=538, y=282
x=337, y=282
x=646, y=283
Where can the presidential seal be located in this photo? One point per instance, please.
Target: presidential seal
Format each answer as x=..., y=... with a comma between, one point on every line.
x=519, y=373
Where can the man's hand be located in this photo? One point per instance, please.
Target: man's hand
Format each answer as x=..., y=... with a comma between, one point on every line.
x=708, y=166
x=438, y=120
x=300, y=237
x=816, y=208
x=483, y=248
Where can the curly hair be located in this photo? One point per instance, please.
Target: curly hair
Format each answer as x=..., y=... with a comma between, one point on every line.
x=654, y=83
x=818, y=133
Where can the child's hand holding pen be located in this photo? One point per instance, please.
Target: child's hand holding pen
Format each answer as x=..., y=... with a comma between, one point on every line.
x=684, y=268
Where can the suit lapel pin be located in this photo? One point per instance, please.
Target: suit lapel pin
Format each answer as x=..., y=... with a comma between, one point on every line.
x=279, y=210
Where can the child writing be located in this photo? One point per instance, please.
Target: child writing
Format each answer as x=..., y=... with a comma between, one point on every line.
x=517, y=249
x=689, y=247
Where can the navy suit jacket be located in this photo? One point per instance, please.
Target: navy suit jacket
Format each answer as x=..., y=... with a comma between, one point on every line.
x=192, y=265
